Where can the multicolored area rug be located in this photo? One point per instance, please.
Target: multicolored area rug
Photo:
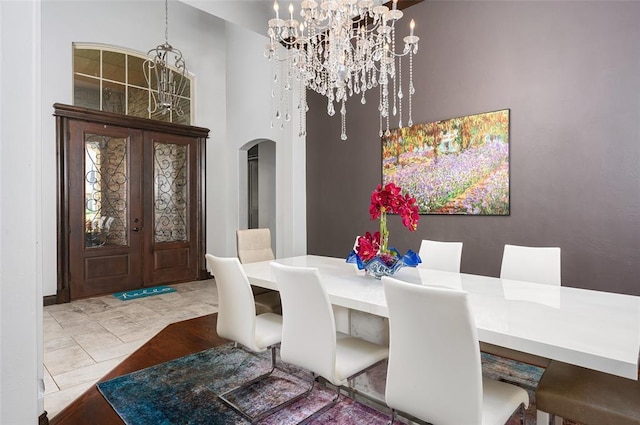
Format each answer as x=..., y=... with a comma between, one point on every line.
x=183, y=391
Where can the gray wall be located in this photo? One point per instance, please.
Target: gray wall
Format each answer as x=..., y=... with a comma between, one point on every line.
x=570, y=74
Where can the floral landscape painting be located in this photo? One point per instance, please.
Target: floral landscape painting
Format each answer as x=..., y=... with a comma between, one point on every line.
x=455, y=166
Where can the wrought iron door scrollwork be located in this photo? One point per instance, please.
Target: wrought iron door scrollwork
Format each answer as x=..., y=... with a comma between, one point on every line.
x=106, y=186
x=170, y=192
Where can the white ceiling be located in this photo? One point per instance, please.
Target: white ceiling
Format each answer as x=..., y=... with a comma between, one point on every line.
x=251, y=14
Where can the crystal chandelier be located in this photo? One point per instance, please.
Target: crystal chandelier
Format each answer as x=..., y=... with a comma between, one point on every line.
x=340, y=48
x=166, y=74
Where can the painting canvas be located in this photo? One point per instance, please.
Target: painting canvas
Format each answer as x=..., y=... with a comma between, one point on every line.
x=454, y=166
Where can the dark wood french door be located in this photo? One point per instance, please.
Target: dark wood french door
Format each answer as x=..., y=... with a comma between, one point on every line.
x=131, y=201
x=171, y=209
x=105, y=209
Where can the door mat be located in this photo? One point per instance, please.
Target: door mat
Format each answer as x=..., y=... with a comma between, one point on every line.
x=143, y=292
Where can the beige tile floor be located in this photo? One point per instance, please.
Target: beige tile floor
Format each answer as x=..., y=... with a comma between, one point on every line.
x=85, y=339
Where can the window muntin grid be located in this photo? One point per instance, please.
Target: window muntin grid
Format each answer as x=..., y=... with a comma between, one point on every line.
x=112, y=79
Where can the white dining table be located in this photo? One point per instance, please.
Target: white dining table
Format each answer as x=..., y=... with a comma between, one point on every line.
x=592, y=329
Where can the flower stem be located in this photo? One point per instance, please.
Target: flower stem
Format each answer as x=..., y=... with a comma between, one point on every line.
x=384, y=232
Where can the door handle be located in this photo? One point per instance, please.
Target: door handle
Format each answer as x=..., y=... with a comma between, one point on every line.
x=135, y=229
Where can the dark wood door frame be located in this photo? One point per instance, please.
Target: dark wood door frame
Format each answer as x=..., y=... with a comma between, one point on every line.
x=66, y=113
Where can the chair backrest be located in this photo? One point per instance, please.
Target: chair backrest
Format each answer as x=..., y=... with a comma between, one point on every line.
x=434, y=370
x=444, y=256
x=236, y=308
x=531, y=264
x=254, y=245
x=308, y=326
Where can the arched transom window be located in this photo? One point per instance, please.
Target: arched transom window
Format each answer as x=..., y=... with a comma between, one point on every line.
x=112, y=79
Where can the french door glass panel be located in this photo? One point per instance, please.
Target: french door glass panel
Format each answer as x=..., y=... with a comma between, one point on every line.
x=106, y=183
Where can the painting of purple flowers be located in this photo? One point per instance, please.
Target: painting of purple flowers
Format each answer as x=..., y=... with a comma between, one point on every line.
x=454, y=166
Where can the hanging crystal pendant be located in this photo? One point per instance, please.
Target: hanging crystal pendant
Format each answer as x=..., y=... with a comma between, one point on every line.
x=330, y=109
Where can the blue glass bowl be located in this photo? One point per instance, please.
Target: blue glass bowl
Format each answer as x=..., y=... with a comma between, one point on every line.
x=377, y=268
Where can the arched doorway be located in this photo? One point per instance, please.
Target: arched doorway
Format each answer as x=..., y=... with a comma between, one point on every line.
x=257, y=188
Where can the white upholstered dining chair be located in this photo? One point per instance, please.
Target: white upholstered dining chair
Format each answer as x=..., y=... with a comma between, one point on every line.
x=531, y=264
x=444, y=256
x=309, y=336
x=434, y=371
x=255, y=245
x=238, y=322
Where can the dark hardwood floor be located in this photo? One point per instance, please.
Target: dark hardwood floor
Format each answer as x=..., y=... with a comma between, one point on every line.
x=174, y=341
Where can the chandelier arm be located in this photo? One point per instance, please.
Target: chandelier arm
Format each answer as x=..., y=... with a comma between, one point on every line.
x=408, y=46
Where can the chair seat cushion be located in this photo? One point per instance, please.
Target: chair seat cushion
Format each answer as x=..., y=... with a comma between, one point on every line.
x=268, y=329
x=354, y=355
x=588, y=396
x=500, y=400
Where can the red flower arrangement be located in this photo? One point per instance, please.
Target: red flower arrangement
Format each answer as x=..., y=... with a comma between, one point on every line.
x=386, y=199
x=368, y=246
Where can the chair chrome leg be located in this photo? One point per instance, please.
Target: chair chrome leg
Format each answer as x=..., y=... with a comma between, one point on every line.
x=270, y=411
x=273, y=358
x=351, y=389
x=392, y=417
x=323, y=408
x=522, y=414
x=252, y=419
